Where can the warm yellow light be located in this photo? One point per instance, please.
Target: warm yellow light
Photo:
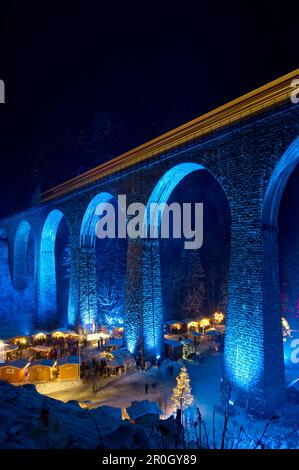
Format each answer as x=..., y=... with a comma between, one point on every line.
x=40, y=336
x=177, y=326
x=285, y=327
x=192, y=323
x=182, y=396
x=204, y=322
x=20, y=340
x=124, y=414
x=58, y=334
x=218, y=317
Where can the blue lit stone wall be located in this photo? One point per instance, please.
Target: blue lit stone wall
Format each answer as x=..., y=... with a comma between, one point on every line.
x=134, y=298
x=288, y=236
x=153, y=311
x=87, y=287
x=48, y=285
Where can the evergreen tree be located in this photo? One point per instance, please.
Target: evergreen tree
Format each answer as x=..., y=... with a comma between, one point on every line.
x=182, y=396
x=195, y=288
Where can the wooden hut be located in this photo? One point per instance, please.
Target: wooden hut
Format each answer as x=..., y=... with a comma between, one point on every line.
x=144, y=412
x=13, y=371
x=114, y=343
x=10, y=351
x=41, y=371
x=69, y=368
x=173, y=349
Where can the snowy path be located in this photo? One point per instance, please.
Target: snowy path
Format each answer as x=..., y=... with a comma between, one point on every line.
x=122, y=390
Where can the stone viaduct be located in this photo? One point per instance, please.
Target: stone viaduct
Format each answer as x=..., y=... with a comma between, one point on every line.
x=251, y=147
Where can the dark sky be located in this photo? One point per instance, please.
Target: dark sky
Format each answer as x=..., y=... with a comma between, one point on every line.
x=84, y=83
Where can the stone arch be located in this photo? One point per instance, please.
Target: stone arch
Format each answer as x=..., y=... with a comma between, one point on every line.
x=20, y=261
x=90, y=219
x=152, y=318
x=48, y=269
x=90, y=272
x=3, y=233
x=277, y=184
x=271, y=266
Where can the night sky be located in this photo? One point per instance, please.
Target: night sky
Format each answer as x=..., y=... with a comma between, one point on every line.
x=85, y=83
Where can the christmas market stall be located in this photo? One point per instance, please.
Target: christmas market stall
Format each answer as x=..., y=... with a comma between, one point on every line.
x=10, y=351
x=41, y=371
x=113, y=343
x=69, y=368
x=14, y=372
x=99, y=339
x=188, y=347
x=125, y=358
x=174, y=327
x=41, y=351
x=173, y=349
x=113, y=367
x=118, y=331
x=40, y=338
x=64, y=333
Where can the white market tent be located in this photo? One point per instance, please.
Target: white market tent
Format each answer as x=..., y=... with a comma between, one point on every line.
x=42, y=348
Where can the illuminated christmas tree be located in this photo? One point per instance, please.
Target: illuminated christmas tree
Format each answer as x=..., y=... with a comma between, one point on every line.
x=182, y=395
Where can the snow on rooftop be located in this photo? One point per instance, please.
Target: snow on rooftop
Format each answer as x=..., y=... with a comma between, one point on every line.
x=141, y=408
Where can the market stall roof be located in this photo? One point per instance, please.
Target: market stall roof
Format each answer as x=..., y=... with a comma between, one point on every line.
x=42, y=348
x=103, y=335
x=192, y=320
x=220, y=327
x=195, y=333
x=20, y=336
x=68, y=360
x=40, y=333
x=123, y=354
x=141, y=408
x=97, y=336
x=10, y=347
x=212, y=333
x=112, y=363
x=18, y=364
x=187, y=341
x=43, y=362
x=173, y=343
x=64, y=331
x=115, y=342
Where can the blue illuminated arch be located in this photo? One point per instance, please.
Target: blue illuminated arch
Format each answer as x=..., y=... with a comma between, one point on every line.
x=271, y=247
x=88, y=266
x=153, y=315
x=20, y=262
x=168, y=183
x=48, y=288
x=90, y=219
x=277, y=183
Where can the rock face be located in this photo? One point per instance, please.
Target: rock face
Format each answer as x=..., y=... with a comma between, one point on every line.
x=32, y=421
x=251, y=160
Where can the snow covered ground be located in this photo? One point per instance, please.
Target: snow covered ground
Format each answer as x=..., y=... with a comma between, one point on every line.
x=101, y=424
